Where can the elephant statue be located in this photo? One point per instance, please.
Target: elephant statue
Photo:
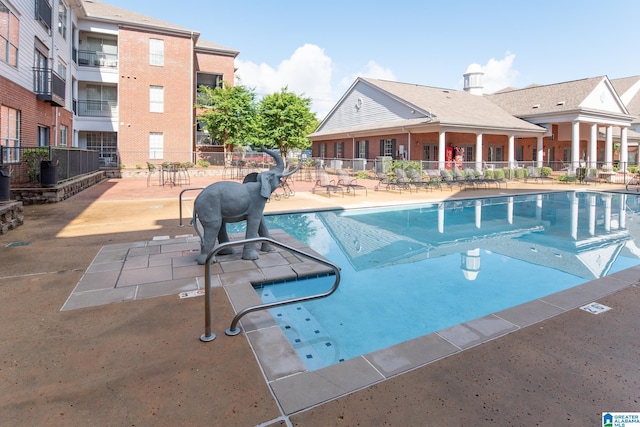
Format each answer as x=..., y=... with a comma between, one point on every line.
x=228, y=201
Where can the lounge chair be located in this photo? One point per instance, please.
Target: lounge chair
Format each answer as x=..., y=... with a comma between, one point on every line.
x=415, y=179
x=536, y=175
x=324, y=182
x=388, y=180
x=402, y=180
x=351, y=184
x=449, y=181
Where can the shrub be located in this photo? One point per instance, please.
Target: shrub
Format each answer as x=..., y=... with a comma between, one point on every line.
x=138, y=166
x=498, y=174
x=545, y=171
x=361, y=175
x=489, y=174
x=203, y=163
x=521, y=173
x=32, y=158
x=508, y=173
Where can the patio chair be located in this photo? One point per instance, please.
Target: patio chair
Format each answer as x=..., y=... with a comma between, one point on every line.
x=386, y=179
x=536, y=174
x=349, y=183
x=327, y=184
x=415, y=179
x=475, y=178
x=402, y=180
x=449, y=181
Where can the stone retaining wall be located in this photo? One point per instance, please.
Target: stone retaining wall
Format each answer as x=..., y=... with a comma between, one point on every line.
x=11, y=216
x=58, y=193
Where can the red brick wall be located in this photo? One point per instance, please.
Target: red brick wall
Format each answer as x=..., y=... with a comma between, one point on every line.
x=216, y=64
x=136, y=76
x=33, y=113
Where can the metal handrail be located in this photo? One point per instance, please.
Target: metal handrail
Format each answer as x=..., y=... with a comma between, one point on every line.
x=233, y=329
x=186, y=189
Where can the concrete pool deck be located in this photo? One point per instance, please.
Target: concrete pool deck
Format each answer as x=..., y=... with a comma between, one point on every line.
x=140, y=362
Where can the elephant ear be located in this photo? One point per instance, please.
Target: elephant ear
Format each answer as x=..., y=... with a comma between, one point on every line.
x=265, y=186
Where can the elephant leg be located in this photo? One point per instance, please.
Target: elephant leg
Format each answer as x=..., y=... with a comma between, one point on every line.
x=249, y=251
x=208, y=239
x=263, y=231
x=223, y=237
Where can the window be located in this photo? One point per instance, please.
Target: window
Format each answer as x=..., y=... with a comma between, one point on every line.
x=156, y=145
x=43, y=136
x=62, y=69
x=62, y=19
x=156, y=99
x=362, y=149
x=9, y=134
x=322, y=150
x=339, y=150
x=430, y=152
x=156, y=52
x=495, y=153
x=106, y=144
x=64, y=135
x=101, y=101
x=40, y=76
x=388, y=147
x=9, y=26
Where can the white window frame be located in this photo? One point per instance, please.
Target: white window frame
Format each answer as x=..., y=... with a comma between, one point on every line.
x=10, y=133
x=64, y=135
x=156, y=99
x=156, y=145
x=62, y=19
x=156, y=52
x=9, y=42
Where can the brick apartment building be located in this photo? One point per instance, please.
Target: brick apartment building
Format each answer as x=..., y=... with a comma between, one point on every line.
x=82, y=73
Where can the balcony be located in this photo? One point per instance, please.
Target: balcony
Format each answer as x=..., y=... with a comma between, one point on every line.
x=88, y=108
x=91, y=58
x=49, y=86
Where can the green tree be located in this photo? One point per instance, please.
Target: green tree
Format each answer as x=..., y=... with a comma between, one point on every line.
x=285, y=121
x=228, y=114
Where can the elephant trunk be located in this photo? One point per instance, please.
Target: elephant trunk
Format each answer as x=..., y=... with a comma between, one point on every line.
x=277, y=158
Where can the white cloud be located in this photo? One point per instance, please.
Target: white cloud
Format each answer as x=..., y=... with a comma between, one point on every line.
x=307, y=72
x=498, y=73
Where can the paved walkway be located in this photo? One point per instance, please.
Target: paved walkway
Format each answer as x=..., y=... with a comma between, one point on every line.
x=141, y=363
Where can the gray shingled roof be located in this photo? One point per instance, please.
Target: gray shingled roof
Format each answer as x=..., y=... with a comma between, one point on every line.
x=621, y=86
x=520, y=102
x=106, y=12
x=454, y=107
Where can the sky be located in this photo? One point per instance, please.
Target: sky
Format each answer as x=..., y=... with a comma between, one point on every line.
x=318, y=48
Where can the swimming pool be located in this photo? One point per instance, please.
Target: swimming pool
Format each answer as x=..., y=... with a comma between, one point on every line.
x=410, y=271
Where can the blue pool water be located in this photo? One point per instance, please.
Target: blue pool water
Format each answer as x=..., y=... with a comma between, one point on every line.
x=410, y=271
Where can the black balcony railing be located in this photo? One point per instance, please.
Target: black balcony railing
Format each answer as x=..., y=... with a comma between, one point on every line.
x=97, y=108
x=43, y=12
x=49, y=86
x=92, y=58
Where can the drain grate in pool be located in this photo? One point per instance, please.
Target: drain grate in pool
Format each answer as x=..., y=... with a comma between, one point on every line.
x=18, y=244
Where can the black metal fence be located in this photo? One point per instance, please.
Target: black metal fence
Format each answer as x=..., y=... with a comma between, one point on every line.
x=25, y=163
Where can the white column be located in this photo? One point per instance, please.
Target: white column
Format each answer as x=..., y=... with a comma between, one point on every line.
x=591, y=199
x=511, y=154
x=607, y=212
x=624, y=149
x=608, y=148
x=593, y=147
x=575, y=146
x=574, y=209
x=479, y=154
x=478, y=214
x=510, y=210
x=441, y=149
x=623, y=211
x=441, y=218
x=539, y=152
